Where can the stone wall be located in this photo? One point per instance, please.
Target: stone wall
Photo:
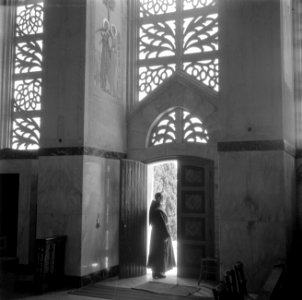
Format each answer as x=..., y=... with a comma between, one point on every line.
x=251, y=125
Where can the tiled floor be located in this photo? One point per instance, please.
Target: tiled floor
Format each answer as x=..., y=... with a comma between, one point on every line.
x=115, y=282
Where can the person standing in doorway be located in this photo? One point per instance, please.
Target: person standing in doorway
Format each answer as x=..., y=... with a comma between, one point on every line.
x=161, y=255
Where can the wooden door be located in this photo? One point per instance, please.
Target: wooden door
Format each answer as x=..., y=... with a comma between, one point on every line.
x=133, y=219
x=195, y=221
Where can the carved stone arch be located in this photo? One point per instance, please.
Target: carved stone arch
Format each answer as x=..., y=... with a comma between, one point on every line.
x=183, y=127
x=156, y=120
x=177, y=91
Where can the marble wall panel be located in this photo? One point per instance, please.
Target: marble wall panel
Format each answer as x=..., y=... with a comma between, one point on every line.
x=251, y=88
x=253, y=211
x=290, y=197
x=100, y=223
x=259, y=245
x=105, y=125
x=252, y=186
x=59, y=209
x=63, y=73
x=26, y=169
x=289, y=105
x=60, y=184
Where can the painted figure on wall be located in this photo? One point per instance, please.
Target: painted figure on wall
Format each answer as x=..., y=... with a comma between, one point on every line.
x=109, y=54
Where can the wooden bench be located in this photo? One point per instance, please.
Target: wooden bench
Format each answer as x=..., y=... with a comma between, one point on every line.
x=233, y=287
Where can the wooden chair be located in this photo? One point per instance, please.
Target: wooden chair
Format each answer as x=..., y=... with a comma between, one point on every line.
x=230, y=280
x=208, y=269
x=234, y=285
x=241, y=280
x=220, y=291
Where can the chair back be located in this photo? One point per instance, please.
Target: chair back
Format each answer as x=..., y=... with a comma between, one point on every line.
x=233, y=287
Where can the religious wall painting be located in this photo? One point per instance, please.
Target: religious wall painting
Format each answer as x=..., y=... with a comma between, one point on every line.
x=107, y=71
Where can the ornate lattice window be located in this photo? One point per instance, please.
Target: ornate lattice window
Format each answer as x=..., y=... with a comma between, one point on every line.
x=178, y=126
x=177, y=35
x=27, y=75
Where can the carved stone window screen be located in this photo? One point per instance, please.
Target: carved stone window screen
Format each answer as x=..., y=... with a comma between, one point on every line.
x=177, y=35
x=178, y=126
x=27, y=75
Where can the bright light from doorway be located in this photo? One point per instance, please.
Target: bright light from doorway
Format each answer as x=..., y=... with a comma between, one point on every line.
x=162, y=177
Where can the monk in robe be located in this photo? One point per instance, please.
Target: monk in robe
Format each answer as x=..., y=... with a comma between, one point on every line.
x=161, y=256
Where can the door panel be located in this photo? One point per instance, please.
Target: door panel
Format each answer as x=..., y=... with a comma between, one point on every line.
x=133, y=219
x=195, y=215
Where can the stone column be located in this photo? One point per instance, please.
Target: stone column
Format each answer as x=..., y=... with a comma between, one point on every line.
x=256, y=153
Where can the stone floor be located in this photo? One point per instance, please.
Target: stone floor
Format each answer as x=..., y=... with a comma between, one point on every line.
x=7, y=291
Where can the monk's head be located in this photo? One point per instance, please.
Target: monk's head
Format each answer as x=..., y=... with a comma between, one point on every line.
x=159, y=197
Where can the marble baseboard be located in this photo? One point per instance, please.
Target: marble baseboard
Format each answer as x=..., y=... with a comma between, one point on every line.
x=81, y=151
x=77, y=281
x=63, y=151
x=257, y=145
x=18, y=154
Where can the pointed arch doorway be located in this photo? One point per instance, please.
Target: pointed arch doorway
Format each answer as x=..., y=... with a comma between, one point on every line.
x=187, y=184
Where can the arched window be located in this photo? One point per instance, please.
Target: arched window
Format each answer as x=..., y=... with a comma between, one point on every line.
x=27, y=75
x=178, y=126
x=177, y=35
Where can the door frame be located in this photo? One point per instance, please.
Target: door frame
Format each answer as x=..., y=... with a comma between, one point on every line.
x=206, y=161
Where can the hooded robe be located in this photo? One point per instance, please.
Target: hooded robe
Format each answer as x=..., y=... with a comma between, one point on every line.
x=161, y=256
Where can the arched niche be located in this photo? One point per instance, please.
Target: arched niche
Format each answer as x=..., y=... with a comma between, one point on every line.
x=178, y=91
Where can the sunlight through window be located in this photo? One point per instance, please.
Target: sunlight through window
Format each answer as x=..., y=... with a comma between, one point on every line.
x=27, y=84
x=189, y=129
x=162, y=24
